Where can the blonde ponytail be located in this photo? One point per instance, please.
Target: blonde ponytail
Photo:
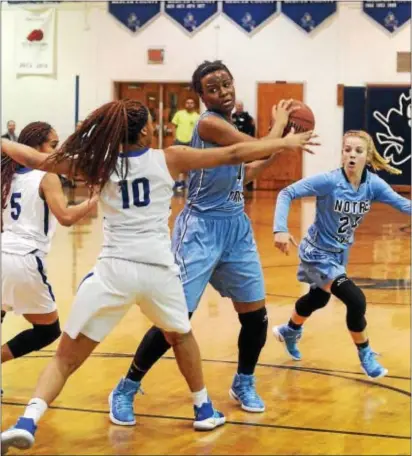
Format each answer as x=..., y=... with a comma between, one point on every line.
x=374, y=159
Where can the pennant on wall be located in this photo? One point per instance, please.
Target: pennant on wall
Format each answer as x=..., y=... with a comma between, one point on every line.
x=390, y=15
x=308, y=15
x=190, y=15
x=134, y=14
x=388, y=121
x=34, y=41
x=250, y=15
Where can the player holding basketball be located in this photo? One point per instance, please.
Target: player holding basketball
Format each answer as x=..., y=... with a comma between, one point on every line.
x=31, y=202
x=213, y=243
x=343, y=198
x=111, y=150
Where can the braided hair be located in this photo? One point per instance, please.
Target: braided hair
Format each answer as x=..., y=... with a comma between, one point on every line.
x=204, y=69
x=93, y=149
x=34, y=134
x=374, y=159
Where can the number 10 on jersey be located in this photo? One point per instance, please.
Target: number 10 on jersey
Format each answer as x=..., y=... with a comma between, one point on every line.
x=140, y=190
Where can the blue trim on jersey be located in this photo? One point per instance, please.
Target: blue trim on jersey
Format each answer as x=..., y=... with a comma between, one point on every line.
x=44, y=277
x=46, y=218
x=135, y=153
x=85, y=278
x=23, y=170
x=363, y=177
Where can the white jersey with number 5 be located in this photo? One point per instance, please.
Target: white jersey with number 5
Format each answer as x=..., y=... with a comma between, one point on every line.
x=136, y=210
x=28, y=224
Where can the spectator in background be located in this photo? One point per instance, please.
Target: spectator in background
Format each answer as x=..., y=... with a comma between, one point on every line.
x=11, y=131
x=184, y=121
x=244, y=122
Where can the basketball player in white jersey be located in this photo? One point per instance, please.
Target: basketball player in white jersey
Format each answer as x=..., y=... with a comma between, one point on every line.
x=32, y=201
x=111, y=150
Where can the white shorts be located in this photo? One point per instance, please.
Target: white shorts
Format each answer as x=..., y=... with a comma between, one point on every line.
x=25, y=289
x=113, y=286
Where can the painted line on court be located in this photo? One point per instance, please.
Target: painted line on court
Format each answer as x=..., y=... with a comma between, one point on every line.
x=236, y=423
x=313, y=370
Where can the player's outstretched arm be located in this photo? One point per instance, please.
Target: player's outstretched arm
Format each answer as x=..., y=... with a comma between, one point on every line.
x=66, y=215
x=318, y=185
x=385, y=194
x=181, y=159
x=32, y=158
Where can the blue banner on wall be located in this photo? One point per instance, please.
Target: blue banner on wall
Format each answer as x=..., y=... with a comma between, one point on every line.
x=308, y=15
x=388, y=121
x=190, y=15
x=134, y=14
x=250, y=15
x=354, y=100
x=34, y=2
x=391, y=15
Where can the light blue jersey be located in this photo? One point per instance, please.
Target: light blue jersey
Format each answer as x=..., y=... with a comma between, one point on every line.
x=340, y=209
x=217, y=191
x=213, y=239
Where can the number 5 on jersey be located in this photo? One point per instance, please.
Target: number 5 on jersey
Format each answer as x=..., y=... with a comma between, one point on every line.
x=15, y=205
x=140, y=192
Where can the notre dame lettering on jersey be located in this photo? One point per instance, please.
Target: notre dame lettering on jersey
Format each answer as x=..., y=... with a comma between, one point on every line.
x=339, y=207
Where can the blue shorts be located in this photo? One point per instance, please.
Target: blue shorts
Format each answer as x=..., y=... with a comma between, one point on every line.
x=221, y=251
x=318, y=267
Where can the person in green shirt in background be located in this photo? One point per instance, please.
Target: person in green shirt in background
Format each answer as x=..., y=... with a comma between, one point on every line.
x=184, y=121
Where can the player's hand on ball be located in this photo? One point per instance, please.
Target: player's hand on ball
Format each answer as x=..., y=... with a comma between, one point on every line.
x=282, y=111
x=302, y=140
x=282, y=241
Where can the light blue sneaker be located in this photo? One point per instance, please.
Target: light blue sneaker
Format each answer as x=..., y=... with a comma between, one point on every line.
x=20, y=436
x=207, y=418
x=121, y=402
x=290, y=337
x=243, y=390
x=370, y=366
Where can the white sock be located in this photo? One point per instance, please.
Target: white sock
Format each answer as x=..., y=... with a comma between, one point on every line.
x=35, y=409
x=200, y=397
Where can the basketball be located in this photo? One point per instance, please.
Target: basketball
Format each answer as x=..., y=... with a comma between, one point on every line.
x=301, y=120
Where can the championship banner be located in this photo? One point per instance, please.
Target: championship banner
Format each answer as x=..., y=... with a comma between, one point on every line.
x=250, y=15
x=34, y=41
x=307, y=14
x=190, y=16
x=135, y=15
x=390, y=15
x=388, y=121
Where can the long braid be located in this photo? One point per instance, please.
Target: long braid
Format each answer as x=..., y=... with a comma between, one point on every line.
x=375, y=160
x=34, y=135
x=8, y=168
x=93, y=149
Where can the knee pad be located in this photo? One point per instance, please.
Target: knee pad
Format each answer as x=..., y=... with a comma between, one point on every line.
x=46, y=334
x=3, y=314
x=354, y=299
x=34, y=339
x=255, y=325
x=314, y=300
